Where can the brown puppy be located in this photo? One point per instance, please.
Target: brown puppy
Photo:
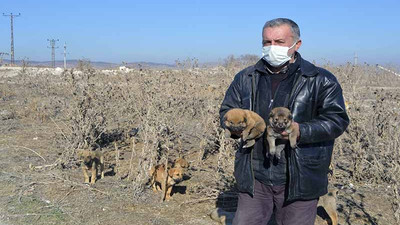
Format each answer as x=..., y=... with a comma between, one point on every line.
x=91, y=160
x=280, y=119
x=157, y=173
x=245, y=123
x=328, y=202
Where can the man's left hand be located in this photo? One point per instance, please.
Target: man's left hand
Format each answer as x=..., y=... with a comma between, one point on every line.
x=296, y=128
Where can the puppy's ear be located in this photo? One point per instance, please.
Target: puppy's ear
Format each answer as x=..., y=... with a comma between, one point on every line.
x=79, y=153
x=224, y=119
x=226, y=115
x=92, y=154
x=271, y=114
x=171, y=172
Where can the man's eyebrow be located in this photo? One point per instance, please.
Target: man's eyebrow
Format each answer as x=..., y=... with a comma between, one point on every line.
x=276, y=40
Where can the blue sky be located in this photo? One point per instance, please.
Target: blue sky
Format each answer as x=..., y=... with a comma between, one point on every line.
x=163, y=31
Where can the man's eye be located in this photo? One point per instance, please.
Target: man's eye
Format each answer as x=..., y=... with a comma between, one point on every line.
x=266, y=42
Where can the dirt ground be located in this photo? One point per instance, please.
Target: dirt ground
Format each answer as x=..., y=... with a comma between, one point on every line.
x=35, y=189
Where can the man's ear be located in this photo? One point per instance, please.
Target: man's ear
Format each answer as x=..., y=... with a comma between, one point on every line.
x=298, y=44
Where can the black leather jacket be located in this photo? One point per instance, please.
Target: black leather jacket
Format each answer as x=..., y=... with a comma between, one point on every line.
x=317, y=104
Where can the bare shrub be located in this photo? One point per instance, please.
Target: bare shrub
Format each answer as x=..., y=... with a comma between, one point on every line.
x=372, y=138
x=85, y=110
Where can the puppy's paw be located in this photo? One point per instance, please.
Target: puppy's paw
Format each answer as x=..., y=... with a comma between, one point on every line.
x=272, y=151
x=249, y=143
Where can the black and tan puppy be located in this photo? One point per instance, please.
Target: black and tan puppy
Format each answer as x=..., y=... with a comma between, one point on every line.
x=245, y=123
x=91, y=161
x=280, y=119
x=157, y=174
x=328, y=202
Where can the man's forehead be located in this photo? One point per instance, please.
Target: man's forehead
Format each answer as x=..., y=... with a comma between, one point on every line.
x=278, y=32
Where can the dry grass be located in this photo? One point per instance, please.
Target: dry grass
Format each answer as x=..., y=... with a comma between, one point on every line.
x=147, y=116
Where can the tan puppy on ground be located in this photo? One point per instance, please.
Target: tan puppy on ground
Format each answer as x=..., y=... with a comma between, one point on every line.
x=280, y=119
x=91, y=161
x=328, y=202
x=157, y=173
x=245, y=123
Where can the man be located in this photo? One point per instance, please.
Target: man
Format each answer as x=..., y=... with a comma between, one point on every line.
x=293, y=183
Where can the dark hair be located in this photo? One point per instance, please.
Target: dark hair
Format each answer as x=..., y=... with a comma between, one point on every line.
x=280, y=21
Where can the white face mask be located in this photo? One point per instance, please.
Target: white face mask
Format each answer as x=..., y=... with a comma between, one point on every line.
x=276, y=55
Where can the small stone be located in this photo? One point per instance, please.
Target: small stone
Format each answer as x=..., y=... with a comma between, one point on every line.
x=6, y=115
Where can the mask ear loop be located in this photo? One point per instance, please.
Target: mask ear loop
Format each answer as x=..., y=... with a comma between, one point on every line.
x=292, y=47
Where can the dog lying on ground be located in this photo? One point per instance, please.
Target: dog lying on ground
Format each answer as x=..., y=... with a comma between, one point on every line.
x=157, y=173
x=91, y=161
x=280, y=119
x=245, y=123
x=328, y=202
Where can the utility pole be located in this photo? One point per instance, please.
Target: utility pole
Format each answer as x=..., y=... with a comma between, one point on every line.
x=1, y=57
x=12, y=35
x=355, y=58
x=53, y=53
x=65, y=55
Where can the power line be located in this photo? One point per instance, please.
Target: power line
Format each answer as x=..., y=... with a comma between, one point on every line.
x=12, y=35
x=53, y=54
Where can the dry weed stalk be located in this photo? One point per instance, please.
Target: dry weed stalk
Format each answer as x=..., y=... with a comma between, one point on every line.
x=133, y=154
x=117, y=164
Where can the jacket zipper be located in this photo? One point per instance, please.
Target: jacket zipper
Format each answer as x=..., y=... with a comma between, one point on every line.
x=252, y=100
x=271, y=104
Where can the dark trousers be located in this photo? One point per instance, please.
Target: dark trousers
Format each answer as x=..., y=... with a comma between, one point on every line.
x=258, y=210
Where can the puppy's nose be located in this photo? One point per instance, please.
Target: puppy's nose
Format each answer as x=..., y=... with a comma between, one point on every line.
x=237, y=129
x=281, y=125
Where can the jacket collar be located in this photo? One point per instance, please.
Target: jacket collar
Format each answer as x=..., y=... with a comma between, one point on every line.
x=307, y=68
